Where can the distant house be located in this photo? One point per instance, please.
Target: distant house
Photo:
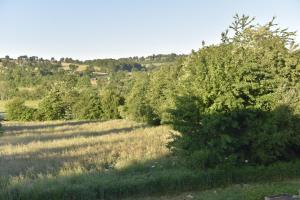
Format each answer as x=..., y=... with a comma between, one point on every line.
x=33, y=58
x=23, y=58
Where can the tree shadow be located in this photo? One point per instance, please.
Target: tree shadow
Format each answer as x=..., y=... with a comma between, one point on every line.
x=52, y=163
x=231, y=135
x=84, y=134
x=161, y=176
x=51, y=125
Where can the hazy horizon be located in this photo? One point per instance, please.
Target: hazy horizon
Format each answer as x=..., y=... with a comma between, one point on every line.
x=115, y=29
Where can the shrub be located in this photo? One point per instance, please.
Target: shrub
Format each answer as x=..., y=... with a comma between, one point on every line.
x=137, y=104
x=228, y=107
x=87, y=106
x=110, y=102
x=57, y=104
x=16, y=110
x=161, y=91
x=7, y=90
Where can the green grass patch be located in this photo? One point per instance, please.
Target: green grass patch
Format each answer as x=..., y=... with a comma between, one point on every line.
x=115, y=160
x=2, y=105
x=143, y=180
x=29, y=103
x=235, y=192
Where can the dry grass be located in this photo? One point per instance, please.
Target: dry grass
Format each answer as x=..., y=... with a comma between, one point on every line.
x=116, y=159
x=2, y=105
x=29, y=103
x=63, y=147
x=81, y=67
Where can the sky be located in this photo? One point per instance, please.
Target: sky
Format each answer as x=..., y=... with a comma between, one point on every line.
x=90, y=29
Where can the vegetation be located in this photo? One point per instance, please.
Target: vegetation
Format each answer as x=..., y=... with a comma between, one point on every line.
x=229, y=109
x=226, y=114
x=236, y=192
x=17, y=110
x=110, y=160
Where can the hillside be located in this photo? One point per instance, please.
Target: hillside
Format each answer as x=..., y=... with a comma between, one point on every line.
x=220, y=123
x=35, y=154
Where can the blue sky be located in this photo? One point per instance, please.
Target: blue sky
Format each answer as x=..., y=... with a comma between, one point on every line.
x=88, y=29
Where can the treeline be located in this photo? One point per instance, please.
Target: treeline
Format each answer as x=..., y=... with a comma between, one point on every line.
x=135, y=63
x=234, y=103
x=112, y=65
x=33, y=82
x=30, y=77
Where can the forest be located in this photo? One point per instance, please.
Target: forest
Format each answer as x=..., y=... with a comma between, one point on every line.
x=225, y=114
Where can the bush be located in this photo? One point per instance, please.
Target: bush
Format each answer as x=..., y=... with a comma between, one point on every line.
x=110, y=102
x=16, y=110
x=161, y=91
x=7, y=90
x=87, y=106
x=57, y=104
x=228, y=107
x=137, y=104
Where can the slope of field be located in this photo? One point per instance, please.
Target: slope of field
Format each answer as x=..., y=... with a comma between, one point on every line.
x=114, y=160
x=33, y=152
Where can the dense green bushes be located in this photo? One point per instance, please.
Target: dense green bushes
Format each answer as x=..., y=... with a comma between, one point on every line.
x=152, y=95
x=229, y=107
x=87, y=106
x=63, y=103
x=137, y=105
x=55, y=105
x=110, y=102
x=17, y=110
x=233, y=103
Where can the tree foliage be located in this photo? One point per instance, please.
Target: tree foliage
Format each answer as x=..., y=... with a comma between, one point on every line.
x=17, y=110
x=228, y=107
x=87, y=106
x=57, y=104
x=237, y=102
x=137, y=104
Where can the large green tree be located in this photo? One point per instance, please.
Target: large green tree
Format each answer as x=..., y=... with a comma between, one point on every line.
x=229, y=107
x=137, y=106
x=87, y=106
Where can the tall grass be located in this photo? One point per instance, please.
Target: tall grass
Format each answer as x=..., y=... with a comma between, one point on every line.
x=2, y=105
x=106, y=160
x=29, y=103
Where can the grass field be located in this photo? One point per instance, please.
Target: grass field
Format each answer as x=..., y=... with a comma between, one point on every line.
x=236, y=192
x=30, y=152
x=2, y=105
x=118, y=159
x=81, y=67
x=29, y=103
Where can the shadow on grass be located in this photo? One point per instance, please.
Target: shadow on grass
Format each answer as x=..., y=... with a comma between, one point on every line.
x=48, y=125
x=52, y=137
x=155, y=177
x=36, y=163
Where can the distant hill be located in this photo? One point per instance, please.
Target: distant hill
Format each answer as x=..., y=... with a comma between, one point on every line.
x=107, y=65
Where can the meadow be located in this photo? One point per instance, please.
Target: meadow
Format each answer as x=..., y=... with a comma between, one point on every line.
x=29, y=103
x=118, y=159
x=31, y=152
x=234, y=109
